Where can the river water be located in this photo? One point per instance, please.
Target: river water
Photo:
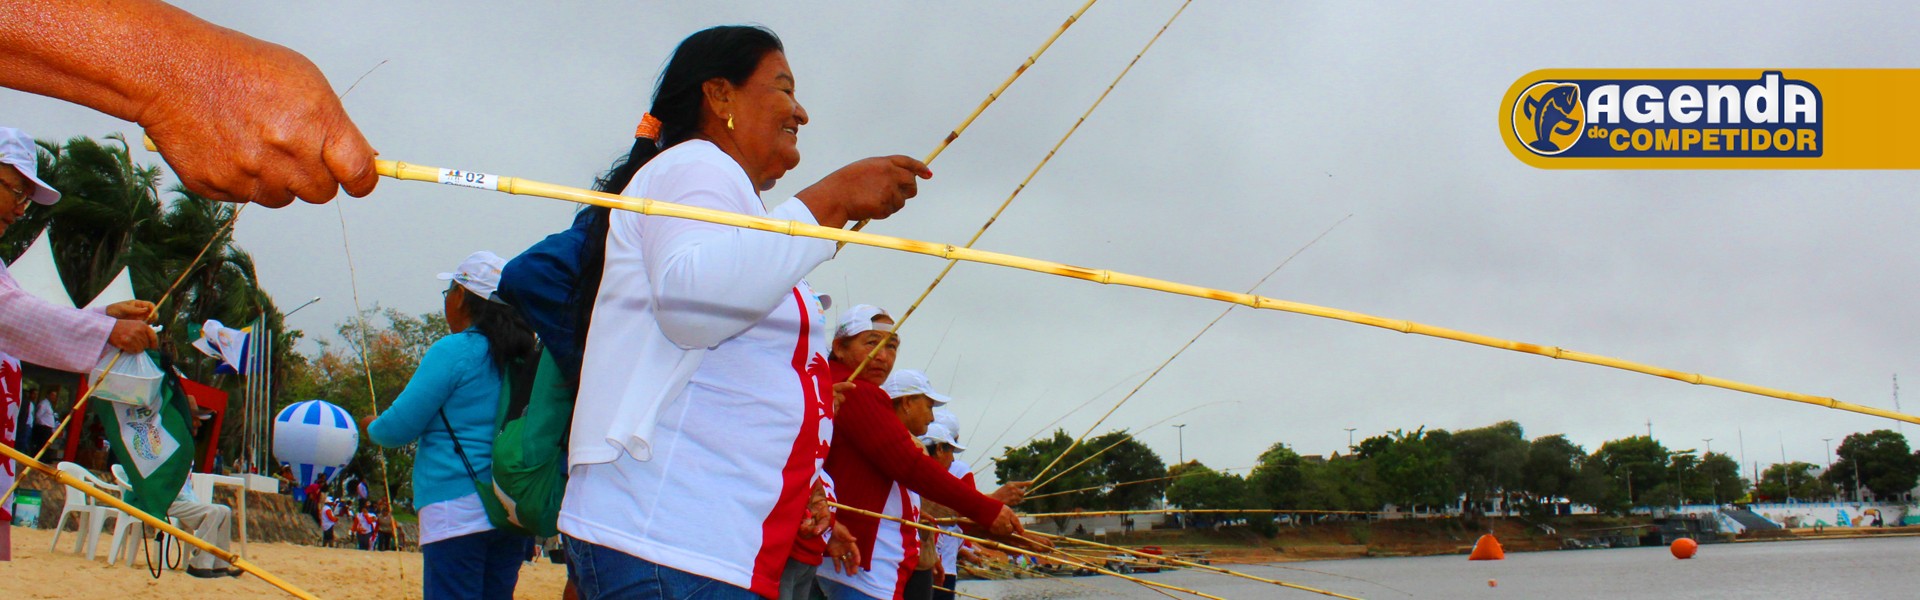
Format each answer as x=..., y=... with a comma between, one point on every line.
x=1857, y=568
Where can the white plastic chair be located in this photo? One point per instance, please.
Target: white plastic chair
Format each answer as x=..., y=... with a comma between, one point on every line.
x=91, y=516
x=123, y=543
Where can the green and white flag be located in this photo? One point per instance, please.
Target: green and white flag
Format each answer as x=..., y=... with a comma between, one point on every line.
x=154, y=445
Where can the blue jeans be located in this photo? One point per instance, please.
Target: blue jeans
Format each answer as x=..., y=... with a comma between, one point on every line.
x=602, y=573
x=483, y=565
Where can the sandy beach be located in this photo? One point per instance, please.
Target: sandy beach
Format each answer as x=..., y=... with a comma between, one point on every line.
x=325, y=572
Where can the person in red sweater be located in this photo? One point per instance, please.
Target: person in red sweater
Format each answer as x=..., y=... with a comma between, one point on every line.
x=875, y=451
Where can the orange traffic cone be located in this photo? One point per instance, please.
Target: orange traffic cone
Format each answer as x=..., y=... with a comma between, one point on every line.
x=1487, y=549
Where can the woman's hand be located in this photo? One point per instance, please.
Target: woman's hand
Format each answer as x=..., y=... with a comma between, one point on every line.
x=132, y=309
x=1012, y=493
x=259, y=124
x=818, y=514
x=1006, y=524
x=872, y=188
x=843, y=550
x=132, y=336
x=840, y=391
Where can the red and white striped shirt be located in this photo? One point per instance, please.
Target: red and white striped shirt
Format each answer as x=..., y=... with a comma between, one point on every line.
x=896, y=551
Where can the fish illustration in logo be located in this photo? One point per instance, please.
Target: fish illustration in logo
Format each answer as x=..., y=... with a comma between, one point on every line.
x=1548, y=118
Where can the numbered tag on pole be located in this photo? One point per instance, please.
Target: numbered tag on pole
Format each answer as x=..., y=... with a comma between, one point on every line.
x=472, y=179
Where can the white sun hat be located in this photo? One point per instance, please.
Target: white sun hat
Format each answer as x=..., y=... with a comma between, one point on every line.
x=937, y=433
x=17, y=149
x=859, y=319
x=907, y=382
x=479, y=273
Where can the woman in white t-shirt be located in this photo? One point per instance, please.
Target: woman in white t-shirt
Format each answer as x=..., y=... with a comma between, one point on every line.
x=704, y=404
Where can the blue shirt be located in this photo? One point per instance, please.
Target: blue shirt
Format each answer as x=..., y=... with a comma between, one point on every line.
x=456, y=376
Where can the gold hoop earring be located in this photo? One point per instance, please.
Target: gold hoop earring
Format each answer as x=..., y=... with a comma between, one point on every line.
x=729, y=121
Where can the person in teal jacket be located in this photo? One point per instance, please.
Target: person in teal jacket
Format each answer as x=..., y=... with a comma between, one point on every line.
x=455, y=392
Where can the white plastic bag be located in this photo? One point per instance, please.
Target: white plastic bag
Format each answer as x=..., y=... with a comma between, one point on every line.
x=134, y=380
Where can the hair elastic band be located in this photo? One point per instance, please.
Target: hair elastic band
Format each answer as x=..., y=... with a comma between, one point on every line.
x=649, y=127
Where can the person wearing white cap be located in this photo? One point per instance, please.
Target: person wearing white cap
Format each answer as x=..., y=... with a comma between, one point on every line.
x=862, y=329
x=239, y=119
x=878, y=466
x=41, y=332
x=941, y=443
x=448, y=407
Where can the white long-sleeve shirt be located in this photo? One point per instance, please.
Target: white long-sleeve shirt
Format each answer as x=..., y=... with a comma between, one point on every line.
x=704, y=393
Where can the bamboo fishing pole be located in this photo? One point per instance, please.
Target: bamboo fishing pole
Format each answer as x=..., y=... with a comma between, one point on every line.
x=960, y=593
x=1043, y=429
x=153, y=315
x=1016, y=191
x=1108, y=486
x=1194, y=565
x=1154, y=559
x=1123, y=439
x=76, y=483
x=1011, y=548
x=524, y=187
x=992, y=96
x=1183, y=347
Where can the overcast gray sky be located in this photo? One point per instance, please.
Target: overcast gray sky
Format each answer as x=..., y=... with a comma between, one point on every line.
x=1249, y=129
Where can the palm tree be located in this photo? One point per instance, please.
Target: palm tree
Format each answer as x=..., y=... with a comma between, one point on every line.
x=105, y=200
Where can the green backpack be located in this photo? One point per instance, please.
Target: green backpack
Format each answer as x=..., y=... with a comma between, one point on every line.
x=529, y=449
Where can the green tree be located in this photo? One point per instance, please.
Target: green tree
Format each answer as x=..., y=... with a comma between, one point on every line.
x=106, y=200
x=1719, y=478
x=1795, y=480
x=1552, y=468
x=1490, y=461
x=1637, y=465
x=1415, y=469
x=1278, y=478
x=1202, y=488
x=1879, y=460
x=1341, y=483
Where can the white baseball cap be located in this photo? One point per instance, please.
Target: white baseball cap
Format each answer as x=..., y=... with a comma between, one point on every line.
x=859, y=319
x=937, y=433
x=907, y=382
x=479, y=273
x=946, y=418
x=17, y=149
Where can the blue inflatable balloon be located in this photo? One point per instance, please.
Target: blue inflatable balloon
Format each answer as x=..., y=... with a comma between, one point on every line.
x=315, y=438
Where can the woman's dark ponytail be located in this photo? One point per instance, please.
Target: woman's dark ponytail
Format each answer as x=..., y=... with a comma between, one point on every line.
x=730, y=52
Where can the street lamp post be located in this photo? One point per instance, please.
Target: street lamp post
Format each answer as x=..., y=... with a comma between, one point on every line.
x=1829, y=442
x=1182, y=429
x=297, y=308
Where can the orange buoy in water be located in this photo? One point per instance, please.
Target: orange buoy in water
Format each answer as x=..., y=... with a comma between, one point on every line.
x=1493, y=583
x=1684, y=548
x=1487, y=549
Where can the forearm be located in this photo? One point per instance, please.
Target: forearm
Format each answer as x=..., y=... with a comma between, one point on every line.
x=115, y=56
x=877, y=434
